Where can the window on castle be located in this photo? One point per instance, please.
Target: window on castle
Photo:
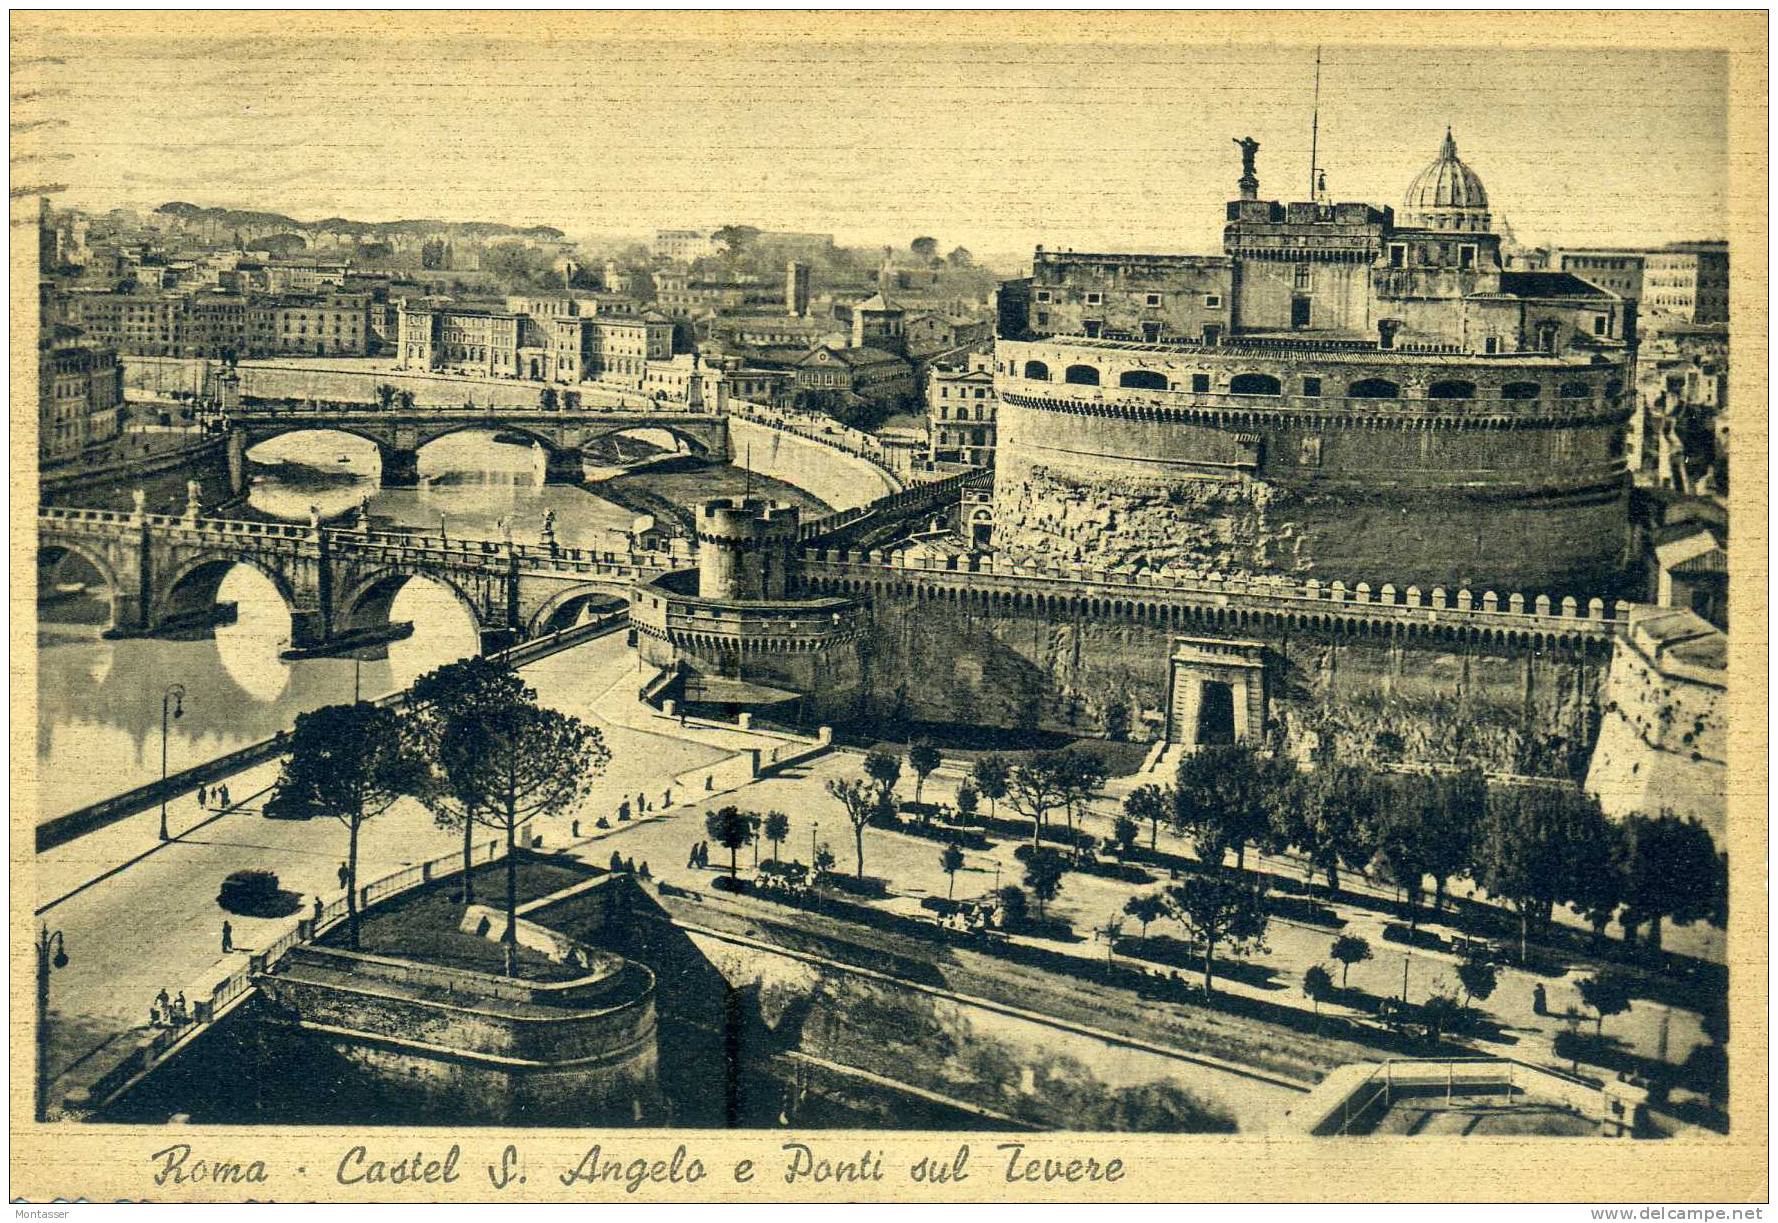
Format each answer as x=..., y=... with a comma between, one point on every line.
x=1201, y=383
x=1300, y=276
x=1398, y=254
x=1466, y=257
x=1093, y=299
x=1311, y=386
x=1212, y=301
x=1153, y=299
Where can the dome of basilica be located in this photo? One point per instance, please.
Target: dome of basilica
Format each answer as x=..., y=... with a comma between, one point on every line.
x=1447, y=195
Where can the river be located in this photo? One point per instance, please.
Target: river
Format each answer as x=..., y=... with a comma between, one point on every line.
x=99, y=701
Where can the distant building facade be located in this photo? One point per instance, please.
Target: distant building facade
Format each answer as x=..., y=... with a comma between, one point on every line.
x=79, y=399
x=960, y=407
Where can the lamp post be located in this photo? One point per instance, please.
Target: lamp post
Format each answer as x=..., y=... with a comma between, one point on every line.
x=1406, y=958
x=814, y=827
x=46, y=960
x=173, y=698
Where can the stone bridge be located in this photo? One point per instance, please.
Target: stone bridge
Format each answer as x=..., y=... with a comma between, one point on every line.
x=163, y=570
x=399, y=433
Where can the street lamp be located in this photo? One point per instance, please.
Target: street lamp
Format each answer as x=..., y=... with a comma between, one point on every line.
x=814, y=827
x=46, y=959
x=173, y=698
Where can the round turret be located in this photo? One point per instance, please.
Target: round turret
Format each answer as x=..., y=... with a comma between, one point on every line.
x=745, y=546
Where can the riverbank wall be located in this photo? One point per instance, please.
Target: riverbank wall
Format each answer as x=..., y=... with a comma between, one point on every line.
x=841, y=479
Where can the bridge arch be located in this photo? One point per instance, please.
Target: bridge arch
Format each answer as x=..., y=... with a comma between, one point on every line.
x=689, y=440
x=564, y=608
x=52, y=552
x=366, y=605
x=192, y=588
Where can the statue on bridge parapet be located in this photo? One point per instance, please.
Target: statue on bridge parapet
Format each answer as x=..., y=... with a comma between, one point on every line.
x=548, y=538
x=140, y=499
x=194, y=501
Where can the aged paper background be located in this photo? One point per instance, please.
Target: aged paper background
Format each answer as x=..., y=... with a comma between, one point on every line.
x=107, y=1162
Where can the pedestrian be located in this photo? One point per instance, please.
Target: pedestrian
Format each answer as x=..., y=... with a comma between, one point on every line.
x=643, y=870
x=179, y=1009
x=200, y=795
x=691, y=859
x=317, y=910
x=345, y=875
x=574, y=829
x=163, y=1008
x=1539, y=1000
x=228, y=938
x=225, y=796
x=629, y=866
x=617, y=862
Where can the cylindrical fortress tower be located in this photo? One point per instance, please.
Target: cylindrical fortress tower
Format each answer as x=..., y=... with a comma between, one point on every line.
x=745, y=548
x=1505, y=473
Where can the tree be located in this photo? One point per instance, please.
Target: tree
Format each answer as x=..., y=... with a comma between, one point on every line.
x=404, y=399
x=967, y=802
x=730, y=828
x=951, y=861
x=514, y=763
x=824, y=860
x=1038, y=786
x=1149, y=805
x=1083, y=772
x=1146, y=907
x=1013, y=904
x=1043, y=875
x=960, y=257
x=1673, y=871
x=352, y=762
x=991, y=775
x=1398, y=833
x=1526, y=846
x=1117, y=719
x=1349, y=949
x=735, y=239
x=385, y=395
x=1607, y=994
x=469, y=689
x=1111, y=931
x=1478, y=978
x=547, y=399
x=1440, y=1013
x=1224, y=798
x=1218, y=909
x=1327, y=818
x=1449, y=830
x=884, y=768
x=922, y=759
x=1124, y=832
x=777, y=829
x=1598, y=873
x=924, y=249
x=1317, y=986
x=860, y=799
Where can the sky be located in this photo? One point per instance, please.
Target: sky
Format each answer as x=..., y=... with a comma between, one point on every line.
x=996, y=144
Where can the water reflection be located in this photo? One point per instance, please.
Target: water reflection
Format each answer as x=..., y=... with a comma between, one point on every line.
x=98, y=701
x=470, y=484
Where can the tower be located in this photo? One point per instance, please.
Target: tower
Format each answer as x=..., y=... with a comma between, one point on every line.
x=796, y=289
x=745, y=547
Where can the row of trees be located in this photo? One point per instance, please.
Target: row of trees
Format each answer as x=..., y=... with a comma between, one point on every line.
x=1533, y=847
x=471, y=743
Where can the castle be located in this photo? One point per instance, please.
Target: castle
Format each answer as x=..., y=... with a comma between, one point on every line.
x=1352, y=485
x=1340, y=394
